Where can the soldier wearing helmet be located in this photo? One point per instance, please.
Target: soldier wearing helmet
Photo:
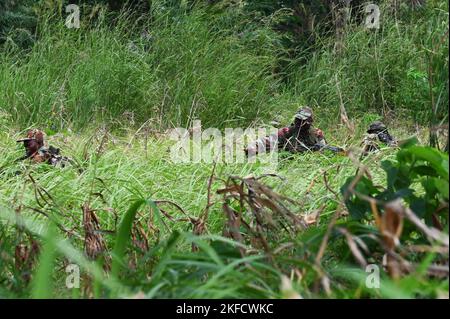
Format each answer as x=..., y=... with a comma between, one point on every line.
x=300, y=136
x=34, y=144
x=377, y=134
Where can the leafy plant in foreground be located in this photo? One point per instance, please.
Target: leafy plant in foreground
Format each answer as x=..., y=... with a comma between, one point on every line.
x=411, y=213
x=420, y=176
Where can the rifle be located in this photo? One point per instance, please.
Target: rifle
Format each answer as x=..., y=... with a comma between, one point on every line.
x=333, y=149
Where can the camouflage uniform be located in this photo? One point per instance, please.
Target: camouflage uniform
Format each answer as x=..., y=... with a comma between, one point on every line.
x=377, y=134
x=38, y=153
x=297, y=138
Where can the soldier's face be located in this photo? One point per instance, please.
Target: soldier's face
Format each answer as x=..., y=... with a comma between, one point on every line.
x=304, y=123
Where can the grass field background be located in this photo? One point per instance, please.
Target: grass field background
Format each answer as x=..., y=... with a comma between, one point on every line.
x=108, y=93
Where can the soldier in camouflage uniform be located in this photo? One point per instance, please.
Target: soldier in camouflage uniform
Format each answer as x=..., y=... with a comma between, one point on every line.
x=38, y=153
x=377, y=134
x=300, y=137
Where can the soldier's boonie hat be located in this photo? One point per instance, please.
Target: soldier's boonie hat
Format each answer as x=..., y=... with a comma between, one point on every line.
x=376, y=126
x=33, y=135
x=304, y=113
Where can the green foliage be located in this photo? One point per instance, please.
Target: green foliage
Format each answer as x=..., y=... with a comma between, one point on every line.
x=17, y=22
x=43, y=279
x=415, y=165
x=76, y=77
x=163, y=66
x=387, y=71
x=115, y=182
x=306, y=21
x=223, y=62
x=123, y=236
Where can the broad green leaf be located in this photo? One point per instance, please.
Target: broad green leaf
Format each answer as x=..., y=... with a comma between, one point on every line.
x=43, y=278
x=123, y=236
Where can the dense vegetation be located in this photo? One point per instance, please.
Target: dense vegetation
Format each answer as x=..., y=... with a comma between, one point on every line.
x=139, y=225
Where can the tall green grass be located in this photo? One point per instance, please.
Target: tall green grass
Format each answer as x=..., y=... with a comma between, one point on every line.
x=224, y=69
x=116, y=181
x=386, y=71
x=186, y=68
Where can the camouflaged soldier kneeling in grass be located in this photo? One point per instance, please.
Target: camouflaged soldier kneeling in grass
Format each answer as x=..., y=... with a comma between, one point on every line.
x=37, y=152
x=300, y=137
